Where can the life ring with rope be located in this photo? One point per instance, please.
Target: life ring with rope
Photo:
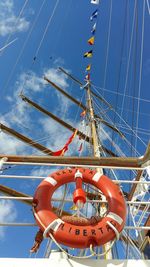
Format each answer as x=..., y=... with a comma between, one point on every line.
x=77, y=232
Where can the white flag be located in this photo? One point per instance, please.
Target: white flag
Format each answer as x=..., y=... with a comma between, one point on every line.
x=96, y=2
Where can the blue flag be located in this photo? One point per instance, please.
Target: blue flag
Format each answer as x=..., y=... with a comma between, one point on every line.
x=93, y=29
x=94, y=14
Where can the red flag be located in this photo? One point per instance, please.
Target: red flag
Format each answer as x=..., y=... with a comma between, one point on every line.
x=80, y=148
x=83, y=113
x=59, y=152
x=71, y=138
x=65, y=148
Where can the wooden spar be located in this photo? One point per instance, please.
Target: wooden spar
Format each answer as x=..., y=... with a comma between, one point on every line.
x=69, y=75
x=147, y=223
x=110, y=126
x=139, y=174
x=83, y=106
x=25, y=139
x=66, y=125
x=81, y=84
x=54, y=117
x=11, y=192
x=134, y=186
x=120, y=162
x=90, y=161
x=146, y=236
x=40, y=147
x=65, y=94
x=109, y=152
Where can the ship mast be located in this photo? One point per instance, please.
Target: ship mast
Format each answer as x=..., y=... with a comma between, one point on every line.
x=97, y=148
x=94, y=134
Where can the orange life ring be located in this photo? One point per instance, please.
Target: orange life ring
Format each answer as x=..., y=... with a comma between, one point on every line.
x=76, y=236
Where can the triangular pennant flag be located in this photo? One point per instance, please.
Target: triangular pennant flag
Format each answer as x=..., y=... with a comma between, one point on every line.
x=88, y=67
x=88, y=54
x=91, y=40
x=65, y=148
x=71, y=138
x=94, y=14
x=96, y=2
x=87, y=77
x=93, y=29
x=83, y=113
x=57, y=153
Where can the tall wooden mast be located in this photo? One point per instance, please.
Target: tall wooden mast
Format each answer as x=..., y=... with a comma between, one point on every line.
x=97, y=148
x=96, y=144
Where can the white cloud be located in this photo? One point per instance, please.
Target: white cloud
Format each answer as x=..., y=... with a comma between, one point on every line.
x=55, y=135
x=7, y=214
x=9, y=22
x=43, y=171
x=7, y=4
x=57, y=77
x=59, y=62
x=58, y=135
x=10, y=145
x=33, y=84
x=30, y=82
x=9, y=98
x=20, y=111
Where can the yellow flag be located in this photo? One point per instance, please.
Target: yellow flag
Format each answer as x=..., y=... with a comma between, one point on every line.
x=91, y=40
x=88, y=54
x=88, y=67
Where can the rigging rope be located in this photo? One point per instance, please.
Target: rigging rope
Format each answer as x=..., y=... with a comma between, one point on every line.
x=114, y=92
x=120, y=66
x=17, y=19
x=141, y=64
x=46, y=29
x=148, y=6
x=24, y=45
x=21, y=12
x=108, y=43
x=129, y=58
x=125, y=139
x=121, y=119
x=134, y=78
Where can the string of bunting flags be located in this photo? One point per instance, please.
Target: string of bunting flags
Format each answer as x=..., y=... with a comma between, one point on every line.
x=91, y=40
x=89, y=54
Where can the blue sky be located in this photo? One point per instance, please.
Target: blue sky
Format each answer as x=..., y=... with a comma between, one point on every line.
x=64, y=44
